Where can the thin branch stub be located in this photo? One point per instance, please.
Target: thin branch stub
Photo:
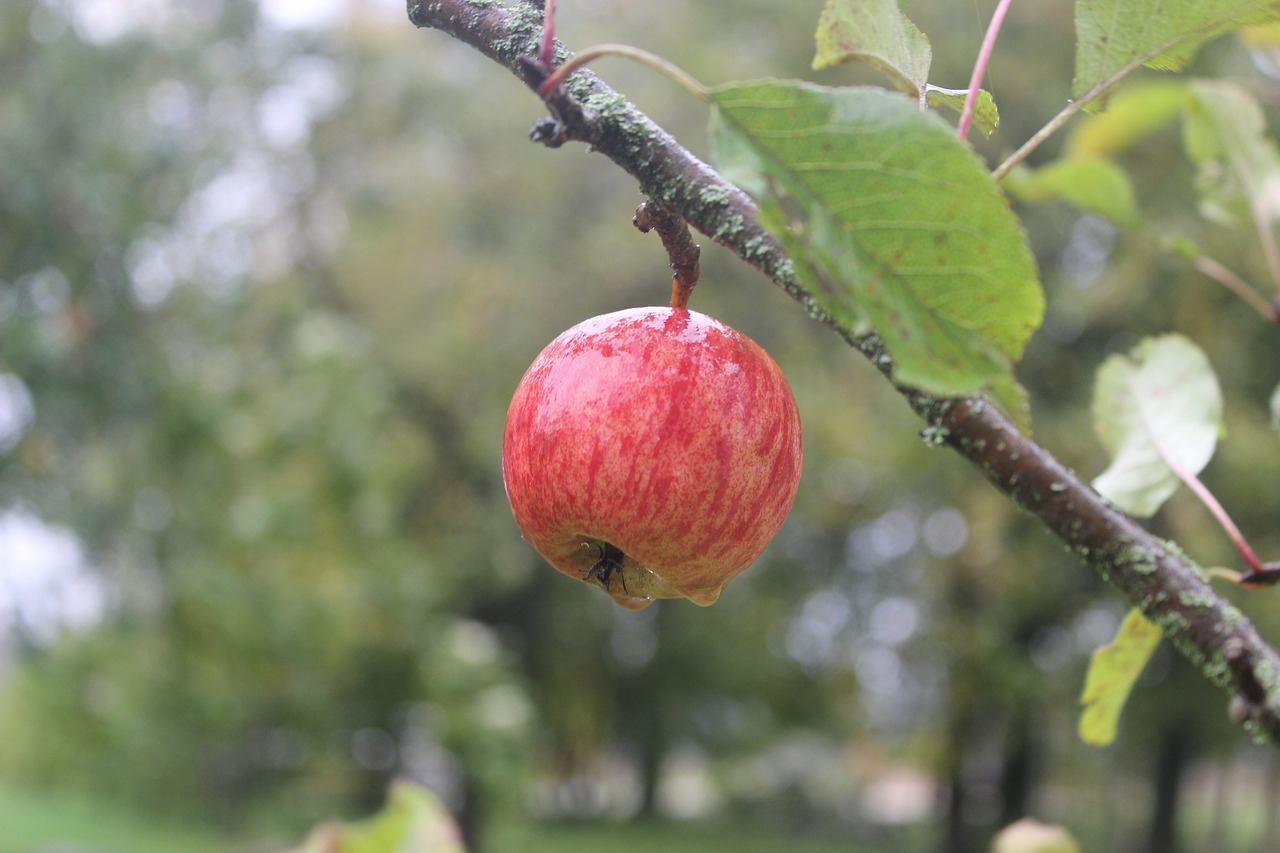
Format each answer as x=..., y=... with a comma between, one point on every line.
x=678, y=242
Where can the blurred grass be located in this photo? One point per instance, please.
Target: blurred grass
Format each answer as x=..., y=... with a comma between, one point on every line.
x=650, y=837
x=39, y=821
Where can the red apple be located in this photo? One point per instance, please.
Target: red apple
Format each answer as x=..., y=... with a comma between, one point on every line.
x=653, y=452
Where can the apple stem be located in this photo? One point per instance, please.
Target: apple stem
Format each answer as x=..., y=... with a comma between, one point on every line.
x=676, y=239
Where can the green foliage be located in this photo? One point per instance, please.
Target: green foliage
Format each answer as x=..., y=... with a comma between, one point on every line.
x=1238, y=162
x=894, y=225
x=1089, y=183
x=1133, y=114
x=985, y=114
x=36, y=818
x=1115, y=36
x=879, y=34
x=1087, y=174
x=1225, y=137
x=1158, y=411
x=278, y=513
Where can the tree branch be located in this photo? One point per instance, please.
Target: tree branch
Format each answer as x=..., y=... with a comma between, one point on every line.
x=1154, y=575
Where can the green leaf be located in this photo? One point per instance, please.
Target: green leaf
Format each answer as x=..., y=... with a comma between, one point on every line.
x=1159, y=405
x=1113, y=670
x=894, y=225
x=1238, y=164
x=413, y=821
x=1135, y=112
x=985, y=114
x=878, y=33
x=1115, y=36
x=1090, y=183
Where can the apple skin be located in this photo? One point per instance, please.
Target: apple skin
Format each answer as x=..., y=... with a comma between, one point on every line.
x=653, y=452
x=1031, y=836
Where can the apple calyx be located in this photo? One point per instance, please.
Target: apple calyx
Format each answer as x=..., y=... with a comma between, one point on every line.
x=652, y=452
x=631, y=584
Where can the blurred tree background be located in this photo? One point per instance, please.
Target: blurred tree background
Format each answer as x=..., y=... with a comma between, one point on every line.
x=268, y=277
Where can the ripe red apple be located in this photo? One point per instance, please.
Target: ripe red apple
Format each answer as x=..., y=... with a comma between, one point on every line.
x=653, y=452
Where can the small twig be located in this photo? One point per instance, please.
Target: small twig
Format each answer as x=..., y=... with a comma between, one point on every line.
x=590, y=54
x=1065, y=115
x=1237, y=285
x=678, y=242
x=980, y=69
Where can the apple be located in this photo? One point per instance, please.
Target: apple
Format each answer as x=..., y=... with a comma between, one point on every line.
x=1031, y=836
x=653, y=452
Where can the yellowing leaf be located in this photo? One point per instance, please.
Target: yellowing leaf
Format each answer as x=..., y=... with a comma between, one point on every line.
x=1260, y=36
x=1113, y=670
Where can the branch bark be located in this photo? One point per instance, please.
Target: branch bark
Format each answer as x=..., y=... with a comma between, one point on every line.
x=1152, y=574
